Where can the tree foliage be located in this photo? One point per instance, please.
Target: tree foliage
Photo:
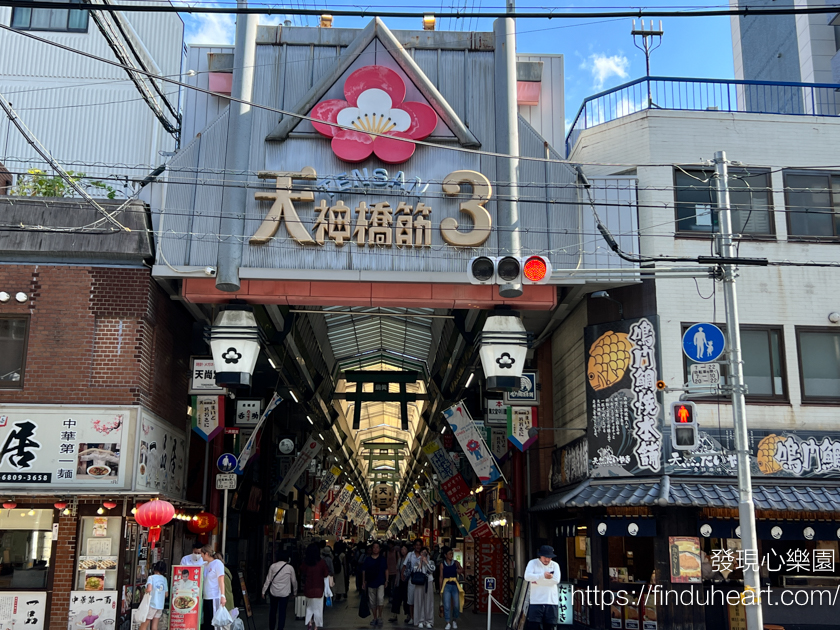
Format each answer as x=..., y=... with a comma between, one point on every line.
x=38, y=183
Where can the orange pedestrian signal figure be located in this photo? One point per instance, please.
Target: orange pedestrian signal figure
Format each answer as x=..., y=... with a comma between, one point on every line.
x=684, y=429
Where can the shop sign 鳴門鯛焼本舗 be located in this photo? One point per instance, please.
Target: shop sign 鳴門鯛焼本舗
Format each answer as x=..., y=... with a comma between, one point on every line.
x=623, y=410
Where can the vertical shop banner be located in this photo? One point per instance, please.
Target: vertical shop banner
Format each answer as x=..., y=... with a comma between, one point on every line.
x=208, y=417
x=354, y=515
x=310, y=449
x=498, y=442
x=415, y=503
x=328, y=482
x=250, y=445
x=22, y=610
x=338, y=505
x=472, y=443
x=565, y=597
x=419, y=491
x=160, y=464
x=92, y=609
x=489, y=562
x=185, y=598
x=338, y=530
x=623, y=411
x=520, y=421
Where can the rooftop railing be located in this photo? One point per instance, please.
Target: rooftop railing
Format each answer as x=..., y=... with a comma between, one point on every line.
x=723, y=95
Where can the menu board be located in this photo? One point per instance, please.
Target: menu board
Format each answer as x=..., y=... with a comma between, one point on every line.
x=686, y=565
x=185, y=600
x=22, y=609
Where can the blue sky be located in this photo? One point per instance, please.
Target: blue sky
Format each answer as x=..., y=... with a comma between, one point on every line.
x=598, y=54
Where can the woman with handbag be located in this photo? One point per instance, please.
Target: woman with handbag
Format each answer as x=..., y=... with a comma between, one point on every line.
x=280, y=583
x=313, y=572
x=424, y=591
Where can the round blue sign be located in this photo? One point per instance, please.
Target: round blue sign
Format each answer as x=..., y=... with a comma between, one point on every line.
x=226, y=463
x=703, y=343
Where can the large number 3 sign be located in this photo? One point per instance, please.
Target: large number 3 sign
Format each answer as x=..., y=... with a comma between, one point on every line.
x=474, y=207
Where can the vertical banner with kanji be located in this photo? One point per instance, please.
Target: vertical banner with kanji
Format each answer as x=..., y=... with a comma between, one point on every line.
x=326, y=483
x=338, y=505
x=208, y=417
x=310, y=449
x=520, y=421
x=489, y=562
x=472, y=443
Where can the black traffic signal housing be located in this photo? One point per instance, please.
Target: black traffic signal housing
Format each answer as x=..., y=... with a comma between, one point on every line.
x=684, y=429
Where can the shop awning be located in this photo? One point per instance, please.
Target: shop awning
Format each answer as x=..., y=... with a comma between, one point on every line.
x=666, y=491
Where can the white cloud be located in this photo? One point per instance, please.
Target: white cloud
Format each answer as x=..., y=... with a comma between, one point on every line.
x=210, y=28
x=603, y=67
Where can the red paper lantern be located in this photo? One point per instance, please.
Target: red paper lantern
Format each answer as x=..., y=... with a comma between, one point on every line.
x=10, y=505
x=152, y=515
x=202, y=524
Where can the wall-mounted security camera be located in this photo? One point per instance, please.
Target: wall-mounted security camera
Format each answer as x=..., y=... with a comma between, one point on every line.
x=210, y=271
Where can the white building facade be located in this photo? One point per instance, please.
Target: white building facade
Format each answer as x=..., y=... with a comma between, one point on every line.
x=88, y=114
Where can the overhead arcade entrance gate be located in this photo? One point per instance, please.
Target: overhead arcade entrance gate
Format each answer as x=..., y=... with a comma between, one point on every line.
x=374, y=231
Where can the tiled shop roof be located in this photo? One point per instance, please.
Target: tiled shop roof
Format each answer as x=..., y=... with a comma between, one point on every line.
x=668, y=492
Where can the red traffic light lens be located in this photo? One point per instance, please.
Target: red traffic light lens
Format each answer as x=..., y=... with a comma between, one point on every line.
x=682, y=414
x=535, y=269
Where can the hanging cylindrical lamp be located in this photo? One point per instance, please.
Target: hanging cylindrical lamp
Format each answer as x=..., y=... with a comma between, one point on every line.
x=153, y=515
x=235, y=343
x=503, y=346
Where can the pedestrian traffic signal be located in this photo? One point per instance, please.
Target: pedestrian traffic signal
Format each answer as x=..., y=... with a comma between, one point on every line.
x=684, y=427
x=509, y=270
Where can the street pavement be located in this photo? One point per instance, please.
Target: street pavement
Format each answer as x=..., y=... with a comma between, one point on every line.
x=344, y=615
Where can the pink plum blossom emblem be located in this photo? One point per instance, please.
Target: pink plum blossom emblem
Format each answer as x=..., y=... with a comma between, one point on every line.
x=374, y=109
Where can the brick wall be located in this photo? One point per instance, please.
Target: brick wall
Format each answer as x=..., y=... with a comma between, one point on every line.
x=100, y=336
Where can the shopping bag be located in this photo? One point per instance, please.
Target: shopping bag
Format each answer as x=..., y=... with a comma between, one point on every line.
x=327, y=590
x=328, y=601
x=221, y=618
x=143, y=608
x=300, y=607
x=238, y=624
x=364, y=606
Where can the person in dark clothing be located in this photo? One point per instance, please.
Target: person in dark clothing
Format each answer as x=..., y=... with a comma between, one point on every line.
x=313, y=572
x=401, y=587
x=375, y=577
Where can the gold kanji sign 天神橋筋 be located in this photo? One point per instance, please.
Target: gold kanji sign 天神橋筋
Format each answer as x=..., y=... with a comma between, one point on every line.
x=377, y=225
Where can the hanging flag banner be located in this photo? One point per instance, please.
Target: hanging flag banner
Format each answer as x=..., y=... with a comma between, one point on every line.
x=338, y=505
x=415, y=503
x=356, y=512
x=472, y=442
x=408, y=512
x=251, y=444
x=310, y=449
x=422, y=496
x=453, y=513
x=327, y=483
x=208, y=416
x=338, y=530
x=472, y=517
x=520, y=421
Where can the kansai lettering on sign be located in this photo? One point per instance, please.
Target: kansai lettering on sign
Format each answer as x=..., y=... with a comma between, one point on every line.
x=377, y=225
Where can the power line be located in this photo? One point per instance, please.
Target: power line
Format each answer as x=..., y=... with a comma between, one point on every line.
x=383, y=11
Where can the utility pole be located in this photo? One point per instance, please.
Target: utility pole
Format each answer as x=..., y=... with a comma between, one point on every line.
x=746, y=507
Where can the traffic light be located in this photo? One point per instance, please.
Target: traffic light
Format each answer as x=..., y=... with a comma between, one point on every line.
x=684, y=427
x=509, y=270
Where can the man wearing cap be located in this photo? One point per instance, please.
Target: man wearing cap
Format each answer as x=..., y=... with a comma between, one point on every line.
x=544, y=575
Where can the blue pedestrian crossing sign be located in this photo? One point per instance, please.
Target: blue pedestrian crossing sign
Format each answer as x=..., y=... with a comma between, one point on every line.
x=226, y=463
x=489, y=584
x=703, y=343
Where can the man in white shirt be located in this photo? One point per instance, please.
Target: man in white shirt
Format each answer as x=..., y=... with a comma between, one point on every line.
x=544, y=576
x=194, y=559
